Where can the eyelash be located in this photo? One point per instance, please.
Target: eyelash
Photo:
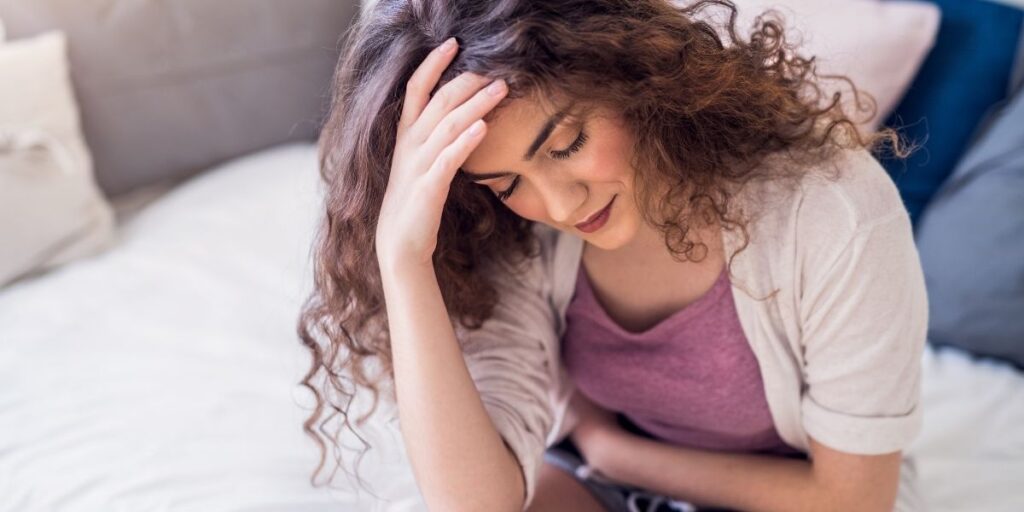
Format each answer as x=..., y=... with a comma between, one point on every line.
x=557, y=154
x=574, y=147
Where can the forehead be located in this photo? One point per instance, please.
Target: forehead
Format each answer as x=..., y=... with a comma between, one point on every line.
x=511, y=129
x=530, y=110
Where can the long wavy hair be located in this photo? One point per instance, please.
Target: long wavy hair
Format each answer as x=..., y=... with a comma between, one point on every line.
x=705, y=106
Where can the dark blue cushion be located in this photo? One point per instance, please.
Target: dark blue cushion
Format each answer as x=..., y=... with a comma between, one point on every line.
x=965, y=74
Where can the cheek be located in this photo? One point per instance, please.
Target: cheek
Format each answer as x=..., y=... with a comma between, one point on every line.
x=607, y=162
x=530, y=207
x=603, y=170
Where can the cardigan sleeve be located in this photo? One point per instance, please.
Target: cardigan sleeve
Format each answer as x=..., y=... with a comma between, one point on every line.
x=508, y=358
x=864, y=320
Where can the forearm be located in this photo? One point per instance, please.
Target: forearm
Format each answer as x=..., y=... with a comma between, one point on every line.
x=740, y=481
x=459, y=459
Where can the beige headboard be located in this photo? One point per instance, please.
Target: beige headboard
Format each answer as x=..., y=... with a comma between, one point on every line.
x=167, y=88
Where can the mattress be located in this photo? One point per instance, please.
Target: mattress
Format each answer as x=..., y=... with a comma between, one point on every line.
x=163, y=374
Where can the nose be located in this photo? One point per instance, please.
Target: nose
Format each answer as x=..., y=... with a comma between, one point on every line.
x=563, y=200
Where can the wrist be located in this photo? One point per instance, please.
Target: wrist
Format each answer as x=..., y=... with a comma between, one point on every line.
x=392, y=263
x=617, y=448
x=398, y=253
x=603, y=447
x=399, y=273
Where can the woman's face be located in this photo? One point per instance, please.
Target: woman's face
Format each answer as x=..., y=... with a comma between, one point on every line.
x=563, y=178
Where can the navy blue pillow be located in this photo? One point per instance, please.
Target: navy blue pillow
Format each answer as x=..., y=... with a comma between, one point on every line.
x=965, y=74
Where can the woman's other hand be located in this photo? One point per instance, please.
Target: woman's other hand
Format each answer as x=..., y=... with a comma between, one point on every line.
x=596, y=429
x=435, y=135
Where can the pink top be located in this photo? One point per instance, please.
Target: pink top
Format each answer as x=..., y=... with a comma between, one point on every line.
x=691, y=380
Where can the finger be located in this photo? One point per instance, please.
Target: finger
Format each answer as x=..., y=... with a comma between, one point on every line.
x=458, y=120
x=451, y=158
x=446, y=99
x=423, y=80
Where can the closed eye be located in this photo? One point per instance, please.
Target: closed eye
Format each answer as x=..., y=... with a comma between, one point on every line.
x=505, y=194
x=559, y=154
x=574, y=147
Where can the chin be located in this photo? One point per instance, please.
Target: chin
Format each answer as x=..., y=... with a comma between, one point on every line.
x=611, y=236
x=605, y=243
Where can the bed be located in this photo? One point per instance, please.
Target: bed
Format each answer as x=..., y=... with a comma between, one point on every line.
x=162, y=374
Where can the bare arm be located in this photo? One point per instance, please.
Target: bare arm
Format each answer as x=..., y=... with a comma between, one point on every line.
x=460, y=461
x=834, y=481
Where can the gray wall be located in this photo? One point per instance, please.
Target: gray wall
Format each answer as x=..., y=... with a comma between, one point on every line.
x=167, y=88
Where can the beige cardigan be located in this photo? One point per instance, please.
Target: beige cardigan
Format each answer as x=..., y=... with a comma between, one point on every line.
x=839, y=347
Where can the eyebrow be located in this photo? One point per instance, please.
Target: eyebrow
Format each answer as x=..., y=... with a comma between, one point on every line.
x=542, y=136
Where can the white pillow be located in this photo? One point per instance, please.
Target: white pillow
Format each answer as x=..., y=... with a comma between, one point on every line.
x=51, y=210
x=879, y=45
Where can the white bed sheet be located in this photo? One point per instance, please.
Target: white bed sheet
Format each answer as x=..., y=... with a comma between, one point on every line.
x=163, y=374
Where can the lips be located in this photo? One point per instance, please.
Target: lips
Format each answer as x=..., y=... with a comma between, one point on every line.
x=595, y=215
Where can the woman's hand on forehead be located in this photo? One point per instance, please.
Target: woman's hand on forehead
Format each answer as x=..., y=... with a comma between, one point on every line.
x=435, y=135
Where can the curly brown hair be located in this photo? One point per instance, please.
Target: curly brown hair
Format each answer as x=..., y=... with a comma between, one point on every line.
x=705, y=116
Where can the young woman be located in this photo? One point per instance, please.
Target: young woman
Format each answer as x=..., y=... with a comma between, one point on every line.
x=608, y=258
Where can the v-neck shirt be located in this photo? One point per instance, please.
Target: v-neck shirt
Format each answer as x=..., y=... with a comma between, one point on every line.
x=690, y=380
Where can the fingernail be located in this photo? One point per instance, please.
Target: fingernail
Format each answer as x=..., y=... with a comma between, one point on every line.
x=476, y=128
x=448, y=45
x=496, y=87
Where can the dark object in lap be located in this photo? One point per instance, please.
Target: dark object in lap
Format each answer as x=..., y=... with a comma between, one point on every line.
x=567, y=445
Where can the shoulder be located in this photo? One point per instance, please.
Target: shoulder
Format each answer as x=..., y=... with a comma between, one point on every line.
x=530, y=278
x=830, y=201
x=552, y=243
x=849, y=194
x=547, y=236
x=813, y=220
